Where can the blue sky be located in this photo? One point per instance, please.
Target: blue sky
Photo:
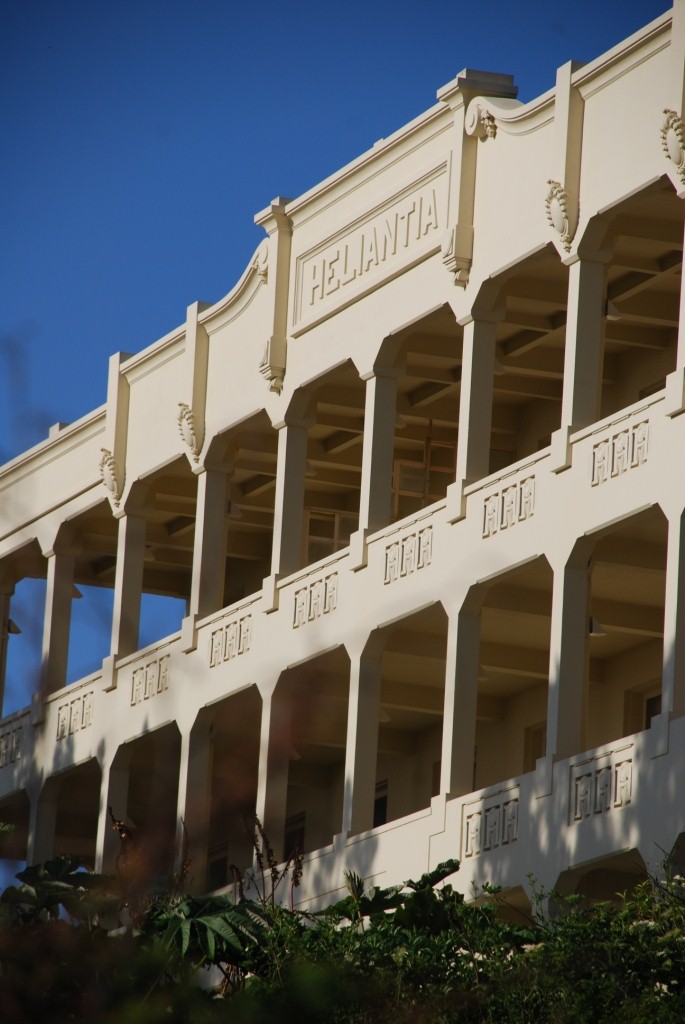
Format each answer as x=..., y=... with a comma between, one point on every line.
x=141, y=138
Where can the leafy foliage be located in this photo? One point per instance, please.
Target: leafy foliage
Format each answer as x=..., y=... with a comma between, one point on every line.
x=70, y=949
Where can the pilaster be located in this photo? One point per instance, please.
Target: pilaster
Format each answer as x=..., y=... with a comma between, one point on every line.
x=475, y=407
x=128, y=590
x=57, y=618
x=274, y=760
x=209, y=551
x=461, y=698
x=361, y=752
x=583, y=355
x=568, y=659
x=375, y=498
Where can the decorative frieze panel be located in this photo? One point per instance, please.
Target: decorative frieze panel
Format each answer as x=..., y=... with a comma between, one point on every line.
x=10, y=746
x=598, y=786
x=74, y=715
x=409, y=553
x=229, y=640
x=491, y=823
x=316, y=599
x=621, y=451
x=150, y=679
x=509, y=506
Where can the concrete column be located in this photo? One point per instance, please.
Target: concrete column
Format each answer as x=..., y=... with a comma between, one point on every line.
x=6, y=591
x=361, y=753
x=42, y=821
x=461, y=699
x=673, y=684
x=375, y=498
x=57, y=620
x=286, y=556
x=583, y=355
x=194, y=804
x=209, y=552
x=114, y=794
x=675, y=382
x=128, y=585
x=274, y=758
x=568, y=661
x=475, y=402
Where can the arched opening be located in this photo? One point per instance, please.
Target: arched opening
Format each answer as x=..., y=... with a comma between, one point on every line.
x=76, y=794
x=603, y=880
x=626, y=627
x=143, y=793
x=513, y=673
x=313, y=739
x=231, y=730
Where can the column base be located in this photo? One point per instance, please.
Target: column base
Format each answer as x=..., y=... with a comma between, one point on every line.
x=359, y=554
x=109, y=673
x=189, y=634
x=544, y=776
x=658, y=734
x=270, y=593
x=675, y=392
x=561, y=454
x=456, y=501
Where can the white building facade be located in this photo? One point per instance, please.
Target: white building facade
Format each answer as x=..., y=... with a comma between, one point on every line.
x=415, y=479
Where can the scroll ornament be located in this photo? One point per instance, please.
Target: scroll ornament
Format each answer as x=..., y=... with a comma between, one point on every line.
x=673, y=141
x=187, y=430
x=480, y=122
x=110, y=476
x=558, y=216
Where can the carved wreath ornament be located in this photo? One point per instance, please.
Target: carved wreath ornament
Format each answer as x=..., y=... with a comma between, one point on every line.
x=673, y=141
x=556, y=204
x=261, y=260
x=110, y=476
x=186, y=428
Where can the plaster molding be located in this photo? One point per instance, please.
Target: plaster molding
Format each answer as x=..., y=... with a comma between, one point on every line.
x=109, y=474
x=187, y=430
x=559, y=216
x=672, y=134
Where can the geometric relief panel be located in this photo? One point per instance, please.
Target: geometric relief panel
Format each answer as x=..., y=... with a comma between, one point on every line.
x=412, y=552
x=150, y=679
x=229, y=640
x=320, y=597
x=491, y=823
x=511, y=505
x=623, y=450
x=74, y=715
x=10, y=746
x=600, y=785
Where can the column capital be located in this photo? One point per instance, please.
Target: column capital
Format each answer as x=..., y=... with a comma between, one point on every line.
x=485, y=316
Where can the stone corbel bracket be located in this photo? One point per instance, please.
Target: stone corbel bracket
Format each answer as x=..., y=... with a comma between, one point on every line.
x=562, y=213
x=272, y=262
x=672, y=133
x=476, y=98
